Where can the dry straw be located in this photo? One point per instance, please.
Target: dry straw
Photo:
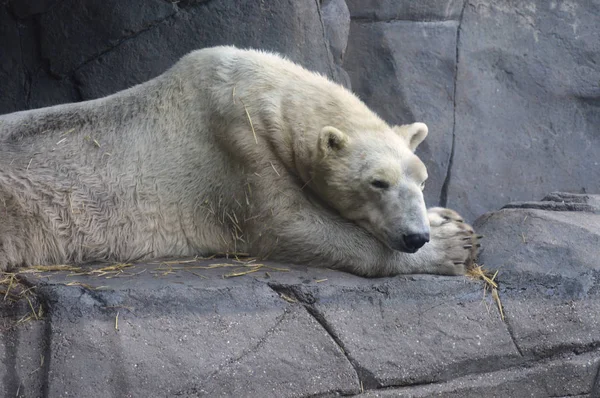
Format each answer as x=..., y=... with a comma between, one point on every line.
x=489, y=284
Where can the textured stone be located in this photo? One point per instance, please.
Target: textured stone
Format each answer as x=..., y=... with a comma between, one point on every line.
x=12, y=73
x=24, y=79
x=186, y=330
x=544, y=326
x=27, y=8
x=392, y=73
x=22, y=351
x=527, y=106
x=287, y=363
x=569, y=376
x=548, y=271
x=175, y=332
x=336, y=19
x=407, y=330
x=407, y=10
x=291, y=27
x=418, y=331
x=546, y=252
x=73, y=32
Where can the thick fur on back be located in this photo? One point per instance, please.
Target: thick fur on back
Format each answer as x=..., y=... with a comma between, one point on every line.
x=216, y=155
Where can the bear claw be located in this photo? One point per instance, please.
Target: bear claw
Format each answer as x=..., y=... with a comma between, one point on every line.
x=455, y=238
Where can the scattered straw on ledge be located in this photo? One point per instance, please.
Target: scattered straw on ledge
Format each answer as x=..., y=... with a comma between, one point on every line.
x=489, y=284
x=13, y=291
x=240, y=263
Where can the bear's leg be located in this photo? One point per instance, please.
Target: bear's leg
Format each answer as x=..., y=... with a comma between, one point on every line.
x=326, y=240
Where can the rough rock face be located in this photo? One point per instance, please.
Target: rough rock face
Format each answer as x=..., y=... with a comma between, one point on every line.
x=185, y=330
x=75, y=50
x=510, y=88
x=527, y=102
x=547, y=254
x=336, y=19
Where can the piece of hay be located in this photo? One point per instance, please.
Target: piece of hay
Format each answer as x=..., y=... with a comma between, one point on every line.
x=50, y=268
x=287, y=298
x=240, y=273
x=250, y=120
x=16, y=291
x=111, y=270
x=86, y=286
x=10, y=280
x=477, y=272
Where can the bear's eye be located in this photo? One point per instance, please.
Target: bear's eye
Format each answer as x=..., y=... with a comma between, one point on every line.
x=379, y=184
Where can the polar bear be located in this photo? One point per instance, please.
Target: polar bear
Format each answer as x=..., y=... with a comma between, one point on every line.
x=230, y=150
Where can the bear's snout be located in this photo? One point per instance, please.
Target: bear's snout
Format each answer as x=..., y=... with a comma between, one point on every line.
x=416, y=241
x=410, y=243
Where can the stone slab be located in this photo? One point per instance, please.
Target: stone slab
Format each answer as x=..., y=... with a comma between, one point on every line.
x=150, y=330
x=542, y=251
x=336, y=19
x=570, y=376
x=23, y=361
x=408, y=330
x=291, y=27
x=73, y=32
x=527, y=103
x=12, y=73
x=547, y=254
x=406, y=10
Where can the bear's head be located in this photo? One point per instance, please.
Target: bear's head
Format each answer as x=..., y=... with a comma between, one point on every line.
x=376, y=180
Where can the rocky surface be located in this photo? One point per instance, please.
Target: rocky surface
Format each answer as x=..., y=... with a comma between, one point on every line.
x=509, y=89
x=56, y=52
x=191, y=328
x=527, y=102
x=547, y=255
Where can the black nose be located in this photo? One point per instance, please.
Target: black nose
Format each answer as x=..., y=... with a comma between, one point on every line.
x=415, y=241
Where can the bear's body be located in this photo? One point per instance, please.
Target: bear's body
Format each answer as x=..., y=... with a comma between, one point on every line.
x=229, y=151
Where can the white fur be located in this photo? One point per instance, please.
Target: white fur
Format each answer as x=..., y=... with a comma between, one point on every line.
x=223, y=152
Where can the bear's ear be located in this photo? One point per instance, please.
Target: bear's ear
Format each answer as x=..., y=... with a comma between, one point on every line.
x=331, y=139
x=414, y=133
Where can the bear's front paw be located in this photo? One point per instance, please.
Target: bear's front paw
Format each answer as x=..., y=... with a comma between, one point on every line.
x=455, y=244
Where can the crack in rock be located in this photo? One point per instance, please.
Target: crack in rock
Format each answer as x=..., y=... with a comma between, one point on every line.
x=198, y=389
x=126, y=39
x=512, y=335
x=366, y=378
x=47, y=351
x=446, y=184
x=595, y=392
x=391, y=20
x=326, y=42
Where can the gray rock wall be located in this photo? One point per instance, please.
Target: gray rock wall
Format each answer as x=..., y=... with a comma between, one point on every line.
x=510, y=89
x=56, y=52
